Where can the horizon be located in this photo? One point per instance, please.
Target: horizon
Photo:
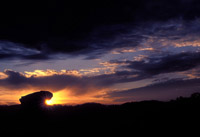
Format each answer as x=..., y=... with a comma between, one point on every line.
x=104, y=52
x=52, y=104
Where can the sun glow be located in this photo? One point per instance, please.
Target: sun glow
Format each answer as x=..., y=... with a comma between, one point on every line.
x=57, y=98
x=49, y=102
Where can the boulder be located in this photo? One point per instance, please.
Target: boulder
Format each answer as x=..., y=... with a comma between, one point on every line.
x=36, y=99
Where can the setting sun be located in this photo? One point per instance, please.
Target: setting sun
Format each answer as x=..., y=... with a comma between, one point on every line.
x=49, y=102
x=56, y=99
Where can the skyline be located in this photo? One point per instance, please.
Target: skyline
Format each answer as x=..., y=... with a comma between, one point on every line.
x=105, y=52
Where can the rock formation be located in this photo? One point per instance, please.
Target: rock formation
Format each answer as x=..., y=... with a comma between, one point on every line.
x=36, y=99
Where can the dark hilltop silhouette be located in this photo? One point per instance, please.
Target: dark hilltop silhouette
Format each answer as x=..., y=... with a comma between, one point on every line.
x=36, y=99
x=176, y=117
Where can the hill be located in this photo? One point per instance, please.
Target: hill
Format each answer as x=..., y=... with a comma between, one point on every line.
x=178, y=116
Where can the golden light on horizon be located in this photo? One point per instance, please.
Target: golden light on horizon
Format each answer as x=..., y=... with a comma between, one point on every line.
x=62, y=97
x=48, y=102
x=58, y=98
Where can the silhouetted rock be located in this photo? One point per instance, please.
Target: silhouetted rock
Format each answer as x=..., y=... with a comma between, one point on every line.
x=36, y=99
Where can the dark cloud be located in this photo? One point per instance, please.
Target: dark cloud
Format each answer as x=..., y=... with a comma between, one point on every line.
x=78, y=85
x=10, y=50
x=29, y=57
x=54, y=83
x=163, y=64
x=119, y=77
x=159, y=91
x=82, y=27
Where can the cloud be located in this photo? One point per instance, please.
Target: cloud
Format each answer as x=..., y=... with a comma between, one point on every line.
x=162, y=64
x=100, y=86
x=3, y=75
x=193, y=73
x=10, y=50
x=160, y=91
x=53, y=82
x=92, y=28
x=72, y=81
x=50, y=72
x=166, y=64
x=150, y=37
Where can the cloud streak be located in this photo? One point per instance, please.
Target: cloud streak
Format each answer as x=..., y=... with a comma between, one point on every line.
x=160, y=91
x=162, y=64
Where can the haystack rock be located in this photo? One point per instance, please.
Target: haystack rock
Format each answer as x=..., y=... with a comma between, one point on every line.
x=36, y=99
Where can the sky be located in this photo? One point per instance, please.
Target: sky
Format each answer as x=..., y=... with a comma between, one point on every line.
x=108, y=52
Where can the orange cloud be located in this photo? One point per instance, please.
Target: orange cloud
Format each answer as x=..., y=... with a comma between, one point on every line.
x=184, y=43
x=3, y=75
x=174, y=41
x=139, y=58
x=51, y=72
x=131, y=50
x=191, y=74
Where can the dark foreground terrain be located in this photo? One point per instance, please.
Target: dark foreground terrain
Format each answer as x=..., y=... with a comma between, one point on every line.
x=177, y=117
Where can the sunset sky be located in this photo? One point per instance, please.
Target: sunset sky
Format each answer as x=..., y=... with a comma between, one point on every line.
x=101, y=51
